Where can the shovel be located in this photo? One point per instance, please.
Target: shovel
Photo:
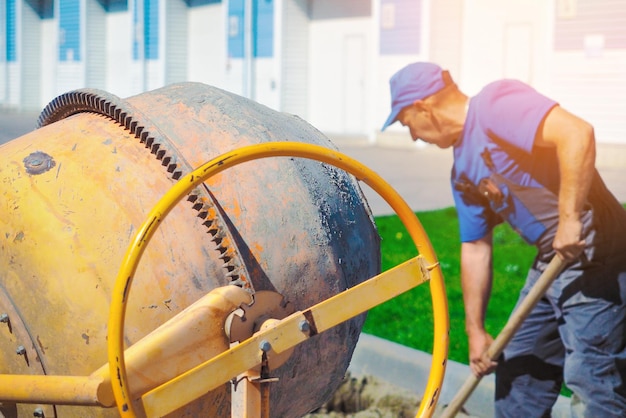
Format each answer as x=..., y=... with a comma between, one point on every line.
x=517, y=317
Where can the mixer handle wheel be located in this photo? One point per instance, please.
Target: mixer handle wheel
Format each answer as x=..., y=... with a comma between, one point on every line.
x=186, y=184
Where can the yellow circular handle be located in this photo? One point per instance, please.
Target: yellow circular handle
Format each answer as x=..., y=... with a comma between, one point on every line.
x=186, y=184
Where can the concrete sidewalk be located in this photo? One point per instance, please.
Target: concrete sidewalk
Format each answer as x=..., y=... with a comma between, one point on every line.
x=419, y=173
x=407, y=368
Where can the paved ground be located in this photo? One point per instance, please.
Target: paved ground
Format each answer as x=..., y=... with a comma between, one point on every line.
x=420, y=174
x=15, y=124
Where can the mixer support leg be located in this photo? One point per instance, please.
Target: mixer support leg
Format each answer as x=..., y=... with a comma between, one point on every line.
x=246, y=395
x=250, y=395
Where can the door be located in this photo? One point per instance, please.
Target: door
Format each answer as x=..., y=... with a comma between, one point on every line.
x=354, y=84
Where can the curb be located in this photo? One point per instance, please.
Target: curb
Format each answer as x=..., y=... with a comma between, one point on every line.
x=408, y=368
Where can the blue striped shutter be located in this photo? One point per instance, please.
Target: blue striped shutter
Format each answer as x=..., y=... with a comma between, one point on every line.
x=151, y=29
x=264, y=28
x=11, y=48
x=69, y=22
x=150, y=47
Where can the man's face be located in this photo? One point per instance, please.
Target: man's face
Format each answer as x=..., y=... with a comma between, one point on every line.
x=423, y=123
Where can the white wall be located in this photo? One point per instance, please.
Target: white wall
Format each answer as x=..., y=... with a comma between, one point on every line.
x=30, y=59
x=590, y=80
x=388, y=65
x=446, y=35
x=339, y=80
x=266, y=73
x=340, y=84
x=206, y=47
x=119, y=38
x=49, y=54
x=13, y=83
x=594, y=88
x=294, y=56
x=3, y=82
x=95, y=45
x=508, y=39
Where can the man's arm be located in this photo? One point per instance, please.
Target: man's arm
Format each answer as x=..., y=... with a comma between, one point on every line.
x=476, y=281
x=574, y=141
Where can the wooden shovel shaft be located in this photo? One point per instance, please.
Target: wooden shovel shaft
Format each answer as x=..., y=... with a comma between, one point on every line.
x=497, y=346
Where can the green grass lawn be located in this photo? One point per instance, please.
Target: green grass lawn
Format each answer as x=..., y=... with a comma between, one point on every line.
x=407, y=319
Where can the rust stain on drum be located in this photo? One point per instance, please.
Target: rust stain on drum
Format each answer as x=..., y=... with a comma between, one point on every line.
x=38, y=163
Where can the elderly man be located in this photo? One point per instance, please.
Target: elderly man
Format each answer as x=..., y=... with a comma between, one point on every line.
x=521, y=158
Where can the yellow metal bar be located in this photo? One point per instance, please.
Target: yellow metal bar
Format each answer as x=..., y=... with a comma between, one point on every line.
x=133, y=254
x=56, y=390
x=284, y=335
x=172, y=348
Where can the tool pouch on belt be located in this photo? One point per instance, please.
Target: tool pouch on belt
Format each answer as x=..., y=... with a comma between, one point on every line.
x=489, y=189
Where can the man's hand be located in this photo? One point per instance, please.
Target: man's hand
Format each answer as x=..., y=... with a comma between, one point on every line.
x=567, y=242
x=480, y=363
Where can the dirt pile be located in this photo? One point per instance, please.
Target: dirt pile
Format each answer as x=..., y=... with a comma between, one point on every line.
x=370, y=397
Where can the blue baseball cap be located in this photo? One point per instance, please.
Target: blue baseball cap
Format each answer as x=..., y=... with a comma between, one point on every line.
x=414, y=82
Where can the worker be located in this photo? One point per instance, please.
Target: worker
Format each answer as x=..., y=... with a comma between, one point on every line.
x=521, y=158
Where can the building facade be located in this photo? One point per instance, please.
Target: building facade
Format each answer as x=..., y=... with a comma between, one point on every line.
x=327, y=61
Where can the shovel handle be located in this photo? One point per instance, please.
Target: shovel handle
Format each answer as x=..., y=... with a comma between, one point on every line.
x=517, y=317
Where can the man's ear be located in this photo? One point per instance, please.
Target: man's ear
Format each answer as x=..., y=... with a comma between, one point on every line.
x=421, y=106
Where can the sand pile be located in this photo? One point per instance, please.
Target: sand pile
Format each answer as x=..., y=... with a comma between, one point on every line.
x=370, y=397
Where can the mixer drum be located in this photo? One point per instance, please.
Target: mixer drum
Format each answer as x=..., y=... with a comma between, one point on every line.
x=75, y=191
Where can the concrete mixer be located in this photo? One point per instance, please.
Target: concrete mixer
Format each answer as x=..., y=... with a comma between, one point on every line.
x=243, y=234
